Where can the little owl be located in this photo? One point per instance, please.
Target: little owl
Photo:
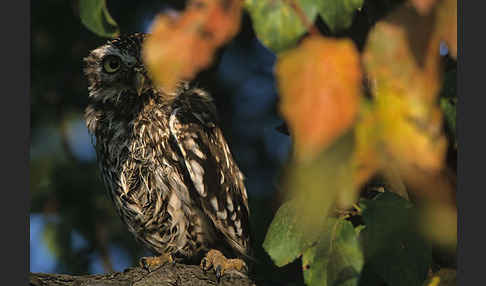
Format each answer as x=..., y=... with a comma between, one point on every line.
x=165, y=162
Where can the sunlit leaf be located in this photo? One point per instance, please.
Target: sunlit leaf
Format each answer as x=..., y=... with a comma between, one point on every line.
x=276, y=23
x=366, y=159
x=320, y=85
x=336, y=259
x=95, y=16
x=392, y=243
x=402, y=60
x=180, y=47
x=338, y=14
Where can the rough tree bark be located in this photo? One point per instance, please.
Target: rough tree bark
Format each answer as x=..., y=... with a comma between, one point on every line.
x=169, y=274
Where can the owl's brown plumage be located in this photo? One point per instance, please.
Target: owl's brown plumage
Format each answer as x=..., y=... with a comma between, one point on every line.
x=163, y=158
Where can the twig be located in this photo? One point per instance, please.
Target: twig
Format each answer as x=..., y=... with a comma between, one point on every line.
x=311, y=28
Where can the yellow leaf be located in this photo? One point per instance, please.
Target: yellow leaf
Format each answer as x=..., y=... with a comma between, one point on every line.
x=366, y=158
x=403, y=63
x=320, y=86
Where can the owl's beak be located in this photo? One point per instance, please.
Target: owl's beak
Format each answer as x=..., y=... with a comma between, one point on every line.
x=139, y=82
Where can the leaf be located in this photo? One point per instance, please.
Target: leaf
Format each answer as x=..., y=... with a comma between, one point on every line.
x=337, y=258
x=325, y=182
x=313, y=187
x=95, y=16
x=319, y=84
x=402, y=61
x=180, y=47
x=393, y=247
x=285, y=239
x=366, y=159
x=276, y=23
x=338, y=14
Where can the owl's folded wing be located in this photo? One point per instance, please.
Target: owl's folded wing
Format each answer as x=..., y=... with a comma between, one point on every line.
x=214, y=174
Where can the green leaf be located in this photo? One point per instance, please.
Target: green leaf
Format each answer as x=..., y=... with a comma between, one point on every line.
x=337, y=258
x=393, y=247
x=276, y=23
x=338, y=14
x=95, y=16
x=286, y=237
x=314, y=187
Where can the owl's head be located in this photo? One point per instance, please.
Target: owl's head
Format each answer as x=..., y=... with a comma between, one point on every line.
x=116, y=72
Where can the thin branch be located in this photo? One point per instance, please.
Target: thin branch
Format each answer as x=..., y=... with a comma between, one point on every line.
x=311, y=28
x=167, y=275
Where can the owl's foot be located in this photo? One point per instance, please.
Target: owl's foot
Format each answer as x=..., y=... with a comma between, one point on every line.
x=215, y=259
x=152, y=263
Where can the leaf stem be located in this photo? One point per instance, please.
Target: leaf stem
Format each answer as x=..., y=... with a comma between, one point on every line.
x=311, y=28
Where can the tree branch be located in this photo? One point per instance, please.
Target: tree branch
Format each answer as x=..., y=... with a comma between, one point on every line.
x=169, y=274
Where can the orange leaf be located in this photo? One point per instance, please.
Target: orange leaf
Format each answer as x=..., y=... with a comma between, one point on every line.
x=320, y=85
x=179, y=48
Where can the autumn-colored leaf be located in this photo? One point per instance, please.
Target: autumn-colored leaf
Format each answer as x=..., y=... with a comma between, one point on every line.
x=320, y=86
x=403, y=63
x=366, y=159
x=180, y=47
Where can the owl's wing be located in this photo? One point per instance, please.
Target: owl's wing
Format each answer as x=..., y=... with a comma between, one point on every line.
x=214, y=174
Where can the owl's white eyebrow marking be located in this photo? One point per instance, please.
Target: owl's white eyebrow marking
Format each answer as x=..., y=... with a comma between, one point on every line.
x=110, y=50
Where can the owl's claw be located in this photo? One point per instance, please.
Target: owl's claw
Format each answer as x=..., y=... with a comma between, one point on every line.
x=215, y=259
x=152, y=263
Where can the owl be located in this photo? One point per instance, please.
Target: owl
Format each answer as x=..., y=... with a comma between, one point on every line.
x=165, y=162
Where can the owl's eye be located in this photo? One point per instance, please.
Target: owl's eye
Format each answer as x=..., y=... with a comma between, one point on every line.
x=111, y=64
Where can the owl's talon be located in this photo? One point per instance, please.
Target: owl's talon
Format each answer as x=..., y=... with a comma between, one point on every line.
x=153, y=263
x=215, y=259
